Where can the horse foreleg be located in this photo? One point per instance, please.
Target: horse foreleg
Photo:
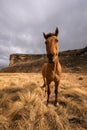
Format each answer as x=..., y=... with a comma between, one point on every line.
x=48, y=93
x=56, y=93
x=44, y=84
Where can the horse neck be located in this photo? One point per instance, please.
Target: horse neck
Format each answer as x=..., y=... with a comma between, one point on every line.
x=54, y=65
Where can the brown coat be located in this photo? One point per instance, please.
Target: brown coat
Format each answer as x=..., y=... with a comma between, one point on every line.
x=51, y=71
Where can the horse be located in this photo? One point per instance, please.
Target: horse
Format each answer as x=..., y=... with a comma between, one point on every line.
x=51, y=71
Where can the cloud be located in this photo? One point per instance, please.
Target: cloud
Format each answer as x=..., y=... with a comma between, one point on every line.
x=22, y=23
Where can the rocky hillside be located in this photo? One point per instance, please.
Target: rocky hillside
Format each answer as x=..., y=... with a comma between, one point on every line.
x=24, y=58
x=71, y=60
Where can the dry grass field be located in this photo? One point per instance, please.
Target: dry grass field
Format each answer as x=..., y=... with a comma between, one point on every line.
x=23, y=103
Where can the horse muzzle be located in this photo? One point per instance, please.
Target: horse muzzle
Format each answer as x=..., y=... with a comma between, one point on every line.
x=51, y=57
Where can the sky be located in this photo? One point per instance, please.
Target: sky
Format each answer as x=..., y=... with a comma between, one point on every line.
x=22, y=23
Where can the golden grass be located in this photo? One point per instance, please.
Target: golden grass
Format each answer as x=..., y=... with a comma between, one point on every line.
x=23, y=103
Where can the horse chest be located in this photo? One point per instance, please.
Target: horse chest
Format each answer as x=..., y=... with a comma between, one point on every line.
x=51, y=75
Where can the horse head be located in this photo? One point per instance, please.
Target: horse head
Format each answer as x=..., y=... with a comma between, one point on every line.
x=51, y=41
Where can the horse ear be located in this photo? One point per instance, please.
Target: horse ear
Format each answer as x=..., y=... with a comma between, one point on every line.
x=44, y=35
x=56, y=31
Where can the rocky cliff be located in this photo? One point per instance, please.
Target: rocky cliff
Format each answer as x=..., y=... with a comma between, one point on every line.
x=28, y=58
x=24, y=58
x=71, y=61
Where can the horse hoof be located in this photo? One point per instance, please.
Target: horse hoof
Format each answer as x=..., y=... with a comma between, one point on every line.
x=56, y=104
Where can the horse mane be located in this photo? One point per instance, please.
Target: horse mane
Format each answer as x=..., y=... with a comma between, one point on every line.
x=49, y=35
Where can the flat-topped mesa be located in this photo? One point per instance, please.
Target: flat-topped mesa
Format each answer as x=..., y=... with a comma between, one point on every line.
x=20, y=58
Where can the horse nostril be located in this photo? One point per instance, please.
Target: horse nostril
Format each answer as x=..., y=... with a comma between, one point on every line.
x=52, y=54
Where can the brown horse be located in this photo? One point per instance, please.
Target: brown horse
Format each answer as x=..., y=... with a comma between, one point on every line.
x=51, y=71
